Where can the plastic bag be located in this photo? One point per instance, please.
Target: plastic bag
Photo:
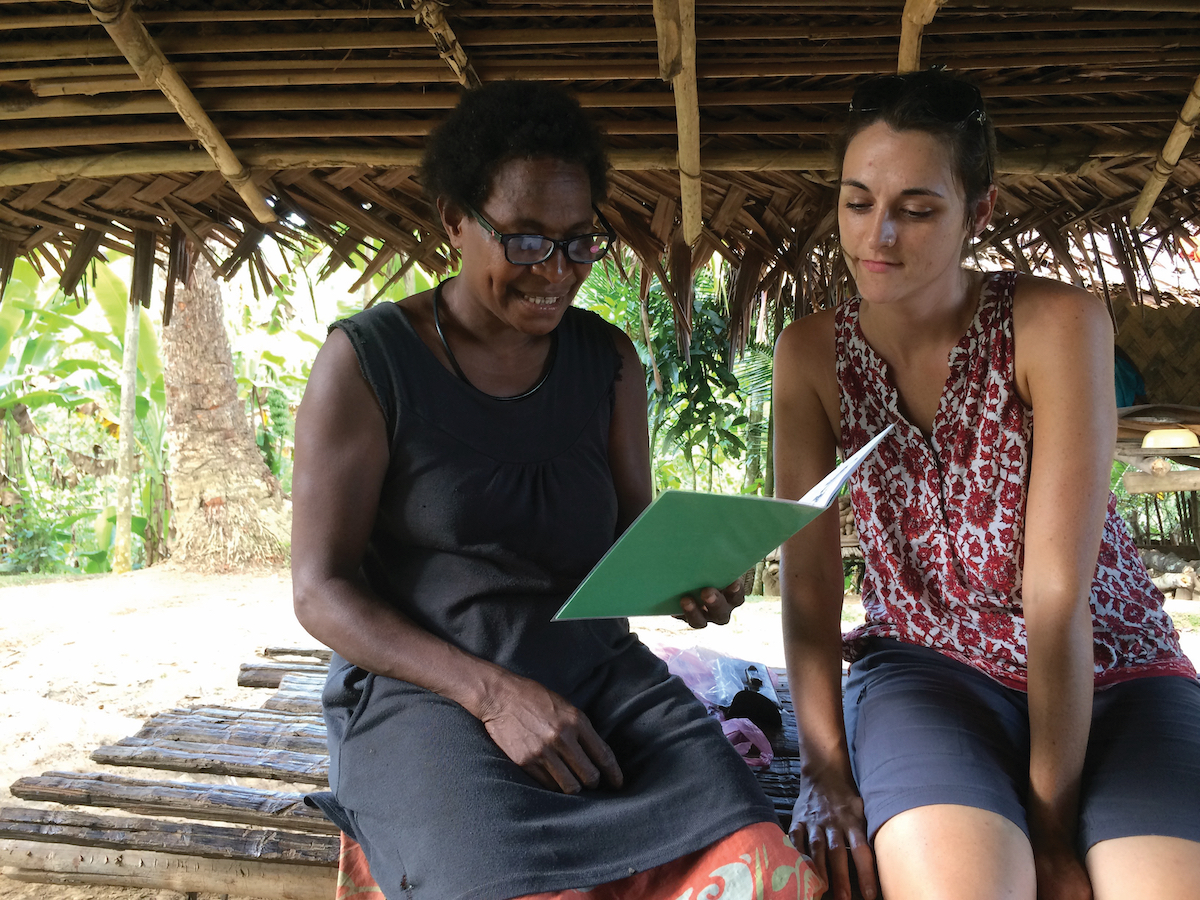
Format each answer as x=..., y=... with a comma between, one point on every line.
x=714, y=678
x=749, y=741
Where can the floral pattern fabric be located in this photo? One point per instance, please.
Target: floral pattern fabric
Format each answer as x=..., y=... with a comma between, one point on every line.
x=758, y=862
x=942, y=519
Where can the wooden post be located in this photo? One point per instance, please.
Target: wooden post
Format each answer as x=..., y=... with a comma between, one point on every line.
x=429, y=13
x=1168, y=159
x=917, y=14
x=1146, y=483
x=675, y=21
x=148, y=61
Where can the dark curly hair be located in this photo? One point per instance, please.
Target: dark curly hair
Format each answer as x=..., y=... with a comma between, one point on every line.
x=503, y=121
x=935, y=102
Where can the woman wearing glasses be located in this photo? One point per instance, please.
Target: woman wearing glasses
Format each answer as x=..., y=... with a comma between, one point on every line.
x=463, y=458
x=1018, y=720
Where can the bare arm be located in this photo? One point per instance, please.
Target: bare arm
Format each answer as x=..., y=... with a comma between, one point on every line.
x=629, y=438
x=1064, y=351
x=341, y=461
x=829, y=817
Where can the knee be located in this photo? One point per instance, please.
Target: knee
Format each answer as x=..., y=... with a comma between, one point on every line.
x=948, y=852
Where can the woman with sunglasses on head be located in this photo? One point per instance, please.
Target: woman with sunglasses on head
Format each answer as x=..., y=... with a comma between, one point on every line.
x=1019, y=719
x=463, y=458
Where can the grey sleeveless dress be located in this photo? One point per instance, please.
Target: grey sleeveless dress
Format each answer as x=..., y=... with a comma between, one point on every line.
x=491, y=513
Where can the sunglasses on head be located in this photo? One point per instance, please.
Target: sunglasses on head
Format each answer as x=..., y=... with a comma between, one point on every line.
x=531, y=249
x=943, y=100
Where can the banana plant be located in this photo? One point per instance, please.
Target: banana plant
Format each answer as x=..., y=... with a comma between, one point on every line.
x=64, y=353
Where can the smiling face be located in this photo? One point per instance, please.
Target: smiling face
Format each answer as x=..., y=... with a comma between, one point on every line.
x=528, y=196
x=902, y=215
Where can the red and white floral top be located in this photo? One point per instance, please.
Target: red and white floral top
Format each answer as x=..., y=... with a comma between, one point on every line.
x=942, y=520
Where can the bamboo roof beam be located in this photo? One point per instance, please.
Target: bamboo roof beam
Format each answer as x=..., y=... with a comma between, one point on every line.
x=279, y=128
x=144, y=103
x=430, y=14
x=1062, y=159
x=836, y=42
x=92, y=80
x=131, y=37
x=1168, y=159
x=675, y=23
x=917, y=14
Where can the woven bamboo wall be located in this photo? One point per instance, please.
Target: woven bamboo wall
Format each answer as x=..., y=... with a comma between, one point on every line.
x=1164, y=342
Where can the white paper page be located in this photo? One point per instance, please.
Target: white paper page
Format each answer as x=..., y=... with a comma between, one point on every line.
x=827, y=488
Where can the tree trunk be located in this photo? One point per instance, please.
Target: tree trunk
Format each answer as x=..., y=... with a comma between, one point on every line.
x=122, y=557
x=229, y=509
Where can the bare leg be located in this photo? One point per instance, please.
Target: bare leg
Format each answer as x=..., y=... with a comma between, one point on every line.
x=949, y=852
x=1164, y=868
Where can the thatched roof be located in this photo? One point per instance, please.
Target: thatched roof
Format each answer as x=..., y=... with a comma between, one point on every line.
x=318, y=109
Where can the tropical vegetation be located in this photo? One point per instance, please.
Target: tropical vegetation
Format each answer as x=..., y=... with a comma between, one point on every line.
x=60, y=391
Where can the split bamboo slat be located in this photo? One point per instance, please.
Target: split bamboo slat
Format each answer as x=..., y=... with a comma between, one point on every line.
x=194, y=839
x=288, y=736
x=216, y=759
x=269, y=674
x=300, y=652
x=181, y=799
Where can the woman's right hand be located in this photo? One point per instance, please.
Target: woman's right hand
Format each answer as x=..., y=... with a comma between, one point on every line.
x=828, y=820
x=546, y=736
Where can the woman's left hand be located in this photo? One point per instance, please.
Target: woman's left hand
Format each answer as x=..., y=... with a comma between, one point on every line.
x=1060, y=874
x=712, y=605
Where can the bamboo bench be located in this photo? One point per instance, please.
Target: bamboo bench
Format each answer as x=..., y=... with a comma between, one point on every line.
x=192, y=836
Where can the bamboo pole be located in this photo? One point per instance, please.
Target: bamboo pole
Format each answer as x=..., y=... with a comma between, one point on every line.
x=338, y=41
x=917, y=14
x=130, y=35
x=70, y=106
x=1146, y=483
x=271, y=128
x=430, y=14
x=1168, y=159
x=1061, y=159
x=675, y=24
x=92, y=80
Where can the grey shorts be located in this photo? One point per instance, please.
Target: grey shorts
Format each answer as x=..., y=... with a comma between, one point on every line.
x=925, y=729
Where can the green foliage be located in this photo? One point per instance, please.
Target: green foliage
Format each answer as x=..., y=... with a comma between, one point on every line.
x=62, y=360
x=698, y=419
x=1150, y=517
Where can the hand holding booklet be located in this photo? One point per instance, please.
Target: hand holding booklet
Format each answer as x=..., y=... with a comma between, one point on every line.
x=685, y=541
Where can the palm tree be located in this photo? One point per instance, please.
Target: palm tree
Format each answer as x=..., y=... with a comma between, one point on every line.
x=229, y=509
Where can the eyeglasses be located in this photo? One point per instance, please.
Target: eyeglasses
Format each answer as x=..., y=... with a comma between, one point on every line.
x=942, y=99
x=531, y=249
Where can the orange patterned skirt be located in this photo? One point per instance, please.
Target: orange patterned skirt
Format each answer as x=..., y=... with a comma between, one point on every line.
x=758, y=862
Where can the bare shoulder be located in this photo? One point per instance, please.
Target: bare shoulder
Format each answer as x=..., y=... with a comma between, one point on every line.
x=1063, y=340
x=1043, y=308
x=807, y=346
x=337, y=393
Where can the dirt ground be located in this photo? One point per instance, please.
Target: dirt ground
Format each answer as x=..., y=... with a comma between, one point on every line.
x=84, y=662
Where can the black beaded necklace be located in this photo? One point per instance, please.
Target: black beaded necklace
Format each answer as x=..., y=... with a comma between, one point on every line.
x=437, y=324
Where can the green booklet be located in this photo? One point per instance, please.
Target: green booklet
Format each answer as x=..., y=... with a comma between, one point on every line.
x=685, y=541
